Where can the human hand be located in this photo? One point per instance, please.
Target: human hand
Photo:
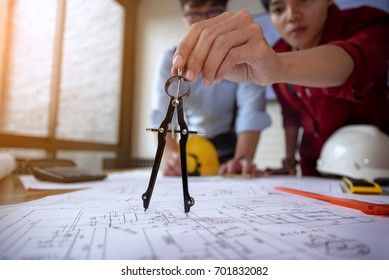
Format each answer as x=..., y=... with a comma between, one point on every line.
x=171, y=164
x=288, y=168
x=230, y=46
x=238, y=166
x=279, y=171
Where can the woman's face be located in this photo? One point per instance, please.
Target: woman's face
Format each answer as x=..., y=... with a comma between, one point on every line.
x=300, y=22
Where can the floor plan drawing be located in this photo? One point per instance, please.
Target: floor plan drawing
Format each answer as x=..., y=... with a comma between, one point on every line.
x=248, y=220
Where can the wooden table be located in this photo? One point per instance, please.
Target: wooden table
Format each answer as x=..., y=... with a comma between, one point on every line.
x=12, y=191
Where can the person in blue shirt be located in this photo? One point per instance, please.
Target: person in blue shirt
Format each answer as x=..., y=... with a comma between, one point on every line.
x=232, y=115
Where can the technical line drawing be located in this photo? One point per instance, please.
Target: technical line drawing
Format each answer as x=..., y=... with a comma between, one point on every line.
x=245, y=222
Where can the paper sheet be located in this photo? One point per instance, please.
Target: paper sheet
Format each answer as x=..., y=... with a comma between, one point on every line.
x=231, y=219
x=30, y=182
x=7, y=164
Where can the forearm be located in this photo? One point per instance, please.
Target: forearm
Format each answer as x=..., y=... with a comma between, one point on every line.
x=246, y=144
x=322, y=66
x=244, y=153
x=291, y=135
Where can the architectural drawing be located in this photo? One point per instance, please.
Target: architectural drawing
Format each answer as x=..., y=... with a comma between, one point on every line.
x=229, y=221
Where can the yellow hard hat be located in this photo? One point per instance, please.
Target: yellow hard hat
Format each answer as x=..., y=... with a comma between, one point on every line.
x=201, y=157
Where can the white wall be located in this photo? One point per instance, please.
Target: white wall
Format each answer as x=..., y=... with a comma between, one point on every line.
x=159, y=27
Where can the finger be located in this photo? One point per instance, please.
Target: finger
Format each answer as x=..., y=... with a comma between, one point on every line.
x=239, y=59
x=270, y=171
x=170, y=171
x=241, y=63
x=175, y=171
x=292, y=171
x=199, y=42
x=165, y=170
x=222, y=169
x=233, y=167
x=226, y=168
x=248, y=168
x=281, y=171
x=230, y=50
x=244, y=166
x=175, y=166
x=172, y=165
x=214, y=43
x=259, y=173
x=185, y=48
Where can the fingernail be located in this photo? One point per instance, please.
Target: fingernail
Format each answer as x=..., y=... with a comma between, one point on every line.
x=177, y=61
x=189, y=75
x=206, y=82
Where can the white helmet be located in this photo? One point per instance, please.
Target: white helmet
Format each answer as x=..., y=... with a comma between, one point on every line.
x=357, y=151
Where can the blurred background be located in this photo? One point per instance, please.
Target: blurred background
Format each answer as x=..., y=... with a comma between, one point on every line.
x=76, y=76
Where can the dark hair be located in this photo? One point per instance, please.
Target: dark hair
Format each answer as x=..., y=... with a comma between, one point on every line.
x=266, y=4
x=199, y=3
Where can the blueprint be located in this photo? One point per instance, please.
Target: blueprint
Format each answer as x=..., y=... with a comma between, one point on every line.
x=231, y=219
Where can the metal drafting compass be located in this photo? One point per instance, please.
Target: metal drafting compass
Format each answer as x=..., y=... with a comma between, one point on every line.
x=176, y=103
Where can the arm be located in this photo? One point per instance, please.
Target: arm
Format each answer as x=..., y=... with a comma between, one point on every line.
x=244, y=154
x=291, y=134
x=233, y=47
x=246, y=145
x=322, y=66
x=289, y=162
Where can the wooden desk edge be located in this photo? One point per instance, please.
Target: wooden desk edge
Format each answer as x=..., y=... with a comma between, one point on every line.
x=12, y=191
